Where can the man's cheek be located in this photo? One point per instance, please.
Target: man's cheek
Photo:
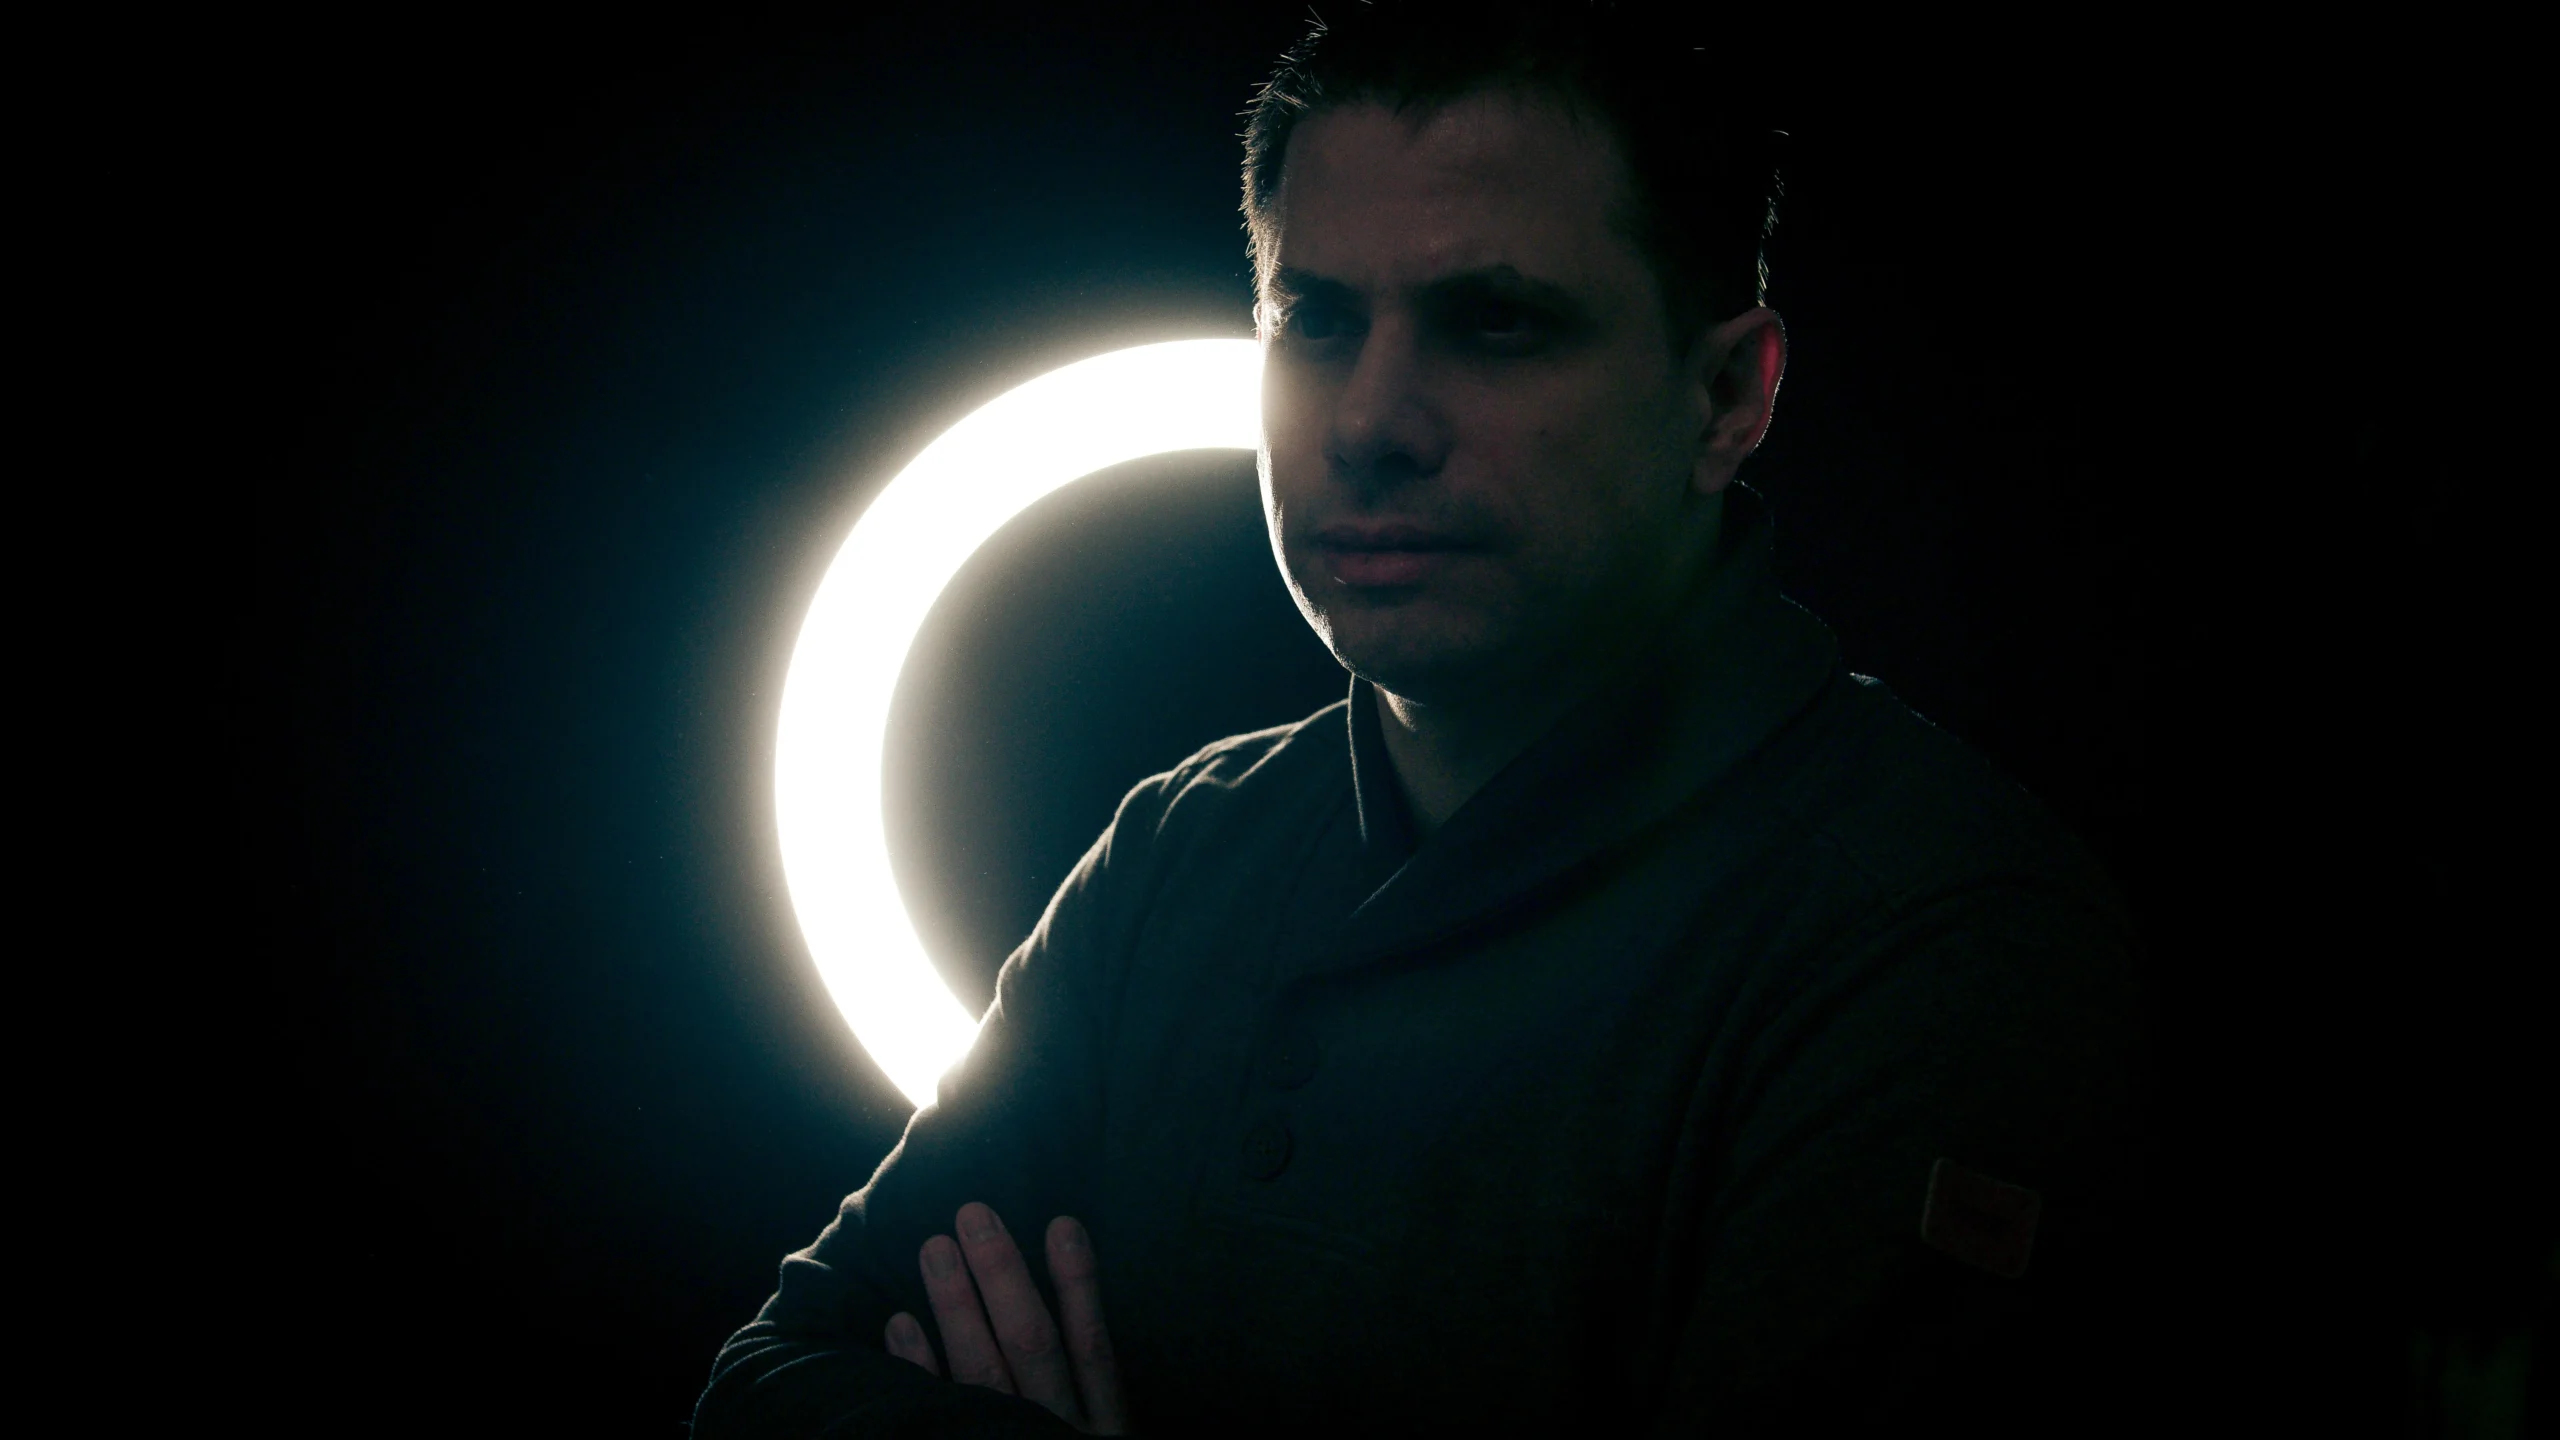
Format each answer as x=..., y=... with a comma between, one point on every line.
x=1297, y=478
x=1293, y=409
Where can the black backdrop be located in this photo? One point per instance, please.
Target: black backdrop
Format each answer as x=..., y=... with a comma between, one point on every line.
x=596, y=341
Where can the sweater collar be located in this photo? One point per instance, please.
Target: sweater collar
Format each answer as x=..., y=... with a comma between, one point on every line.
x=1733, y=663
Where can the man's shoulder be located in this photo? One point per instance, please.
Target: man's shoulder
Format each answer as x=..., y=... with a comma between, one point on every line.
x=1262, y=755
x=1247, y=774
x=1917, y=811
x=1921, y=864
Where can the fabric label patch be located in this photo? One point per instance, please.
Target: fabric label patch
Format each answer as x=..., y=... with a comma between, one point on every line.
x=1986, y=1223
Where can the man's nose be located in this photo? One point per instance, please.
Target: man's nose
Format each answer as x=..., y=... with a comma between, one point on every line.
x=1385, y=429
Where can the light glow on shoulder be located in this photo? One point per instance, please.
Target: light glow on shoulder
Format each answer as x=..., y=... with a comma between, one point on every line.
x=910, y=541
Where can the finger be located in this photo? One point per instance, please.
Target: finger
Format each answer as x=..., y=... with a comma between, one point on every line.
x=965, y=1336
x=1020, y=1316
x=1071, y=1264
x=906, y=1340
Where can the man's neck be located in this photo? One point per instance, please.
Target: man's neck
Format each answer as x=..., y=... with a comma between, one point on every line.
x=1444, y=751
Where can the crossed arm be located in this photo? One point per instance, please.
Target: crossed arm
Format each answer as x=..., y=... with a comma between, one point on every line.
x=999, y=1333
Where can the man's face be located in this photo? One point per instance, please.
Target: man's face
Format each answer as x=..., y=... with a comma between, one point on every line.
x=1479, y=447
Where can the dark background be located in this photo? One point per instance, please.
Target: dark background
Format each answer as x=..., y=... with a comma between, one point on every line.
x=2106, y=442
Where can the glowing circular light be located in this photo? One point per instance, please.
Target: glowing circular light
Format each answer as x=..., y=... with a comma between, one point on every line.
x=916, y=534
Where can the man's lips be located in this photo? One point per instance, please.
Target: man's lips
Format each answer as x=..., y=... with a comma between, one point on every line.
x=1387, y=553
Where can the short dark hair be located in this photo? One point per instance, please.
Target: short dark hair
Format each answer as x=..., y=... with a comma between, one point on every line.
x=1701, y=154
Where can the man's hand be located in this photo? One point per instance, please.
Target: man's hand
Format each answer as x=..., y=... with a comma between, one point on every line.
x=1009, y=1343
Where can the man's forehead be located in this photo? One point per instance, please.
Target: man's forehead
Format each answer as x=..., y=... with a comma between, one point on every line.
x=1375, y=197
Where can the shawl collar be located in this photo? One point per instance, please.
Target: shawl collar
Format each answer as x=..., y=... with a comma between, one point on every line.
x=1733, y=664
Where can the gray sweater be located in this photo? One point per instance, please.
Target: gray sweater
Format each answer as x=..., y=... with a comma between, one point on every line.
x=1748, y=1057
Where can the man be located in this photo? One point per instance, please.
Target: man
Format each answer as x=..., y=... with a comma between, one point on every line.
x=1614, y=1017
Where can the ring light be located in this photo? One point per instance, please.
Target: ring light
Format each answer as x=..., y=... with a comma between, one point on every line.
x=916, y=534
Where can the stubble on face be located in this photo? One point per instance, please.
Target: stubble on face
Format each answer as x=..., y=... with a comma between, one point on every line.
x=1477, y=438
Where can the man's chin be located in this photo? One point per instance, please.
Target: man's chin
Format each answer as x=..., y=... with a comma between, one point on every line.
x=1420, y=663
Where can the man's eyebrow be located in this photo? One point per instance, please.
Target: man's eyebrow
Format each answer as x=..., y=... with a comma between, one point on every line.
x=1288, y=283
x=1507, y=281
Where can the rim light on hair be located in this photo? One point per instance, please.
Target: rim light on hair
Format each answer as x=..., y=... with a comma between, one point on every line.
x=915, y=535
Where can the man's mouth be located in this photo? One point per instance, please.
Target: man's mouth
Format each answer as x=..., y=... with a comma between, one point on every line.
x=1385, y=554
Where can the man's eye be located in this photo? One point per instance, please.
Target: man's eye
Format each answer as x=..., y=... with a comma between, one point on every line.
x=1499, y=317
x=1317, y=322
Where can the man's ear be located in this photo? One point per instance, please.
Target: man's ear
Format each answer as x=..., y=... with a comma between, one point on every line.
x=1734, y=370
